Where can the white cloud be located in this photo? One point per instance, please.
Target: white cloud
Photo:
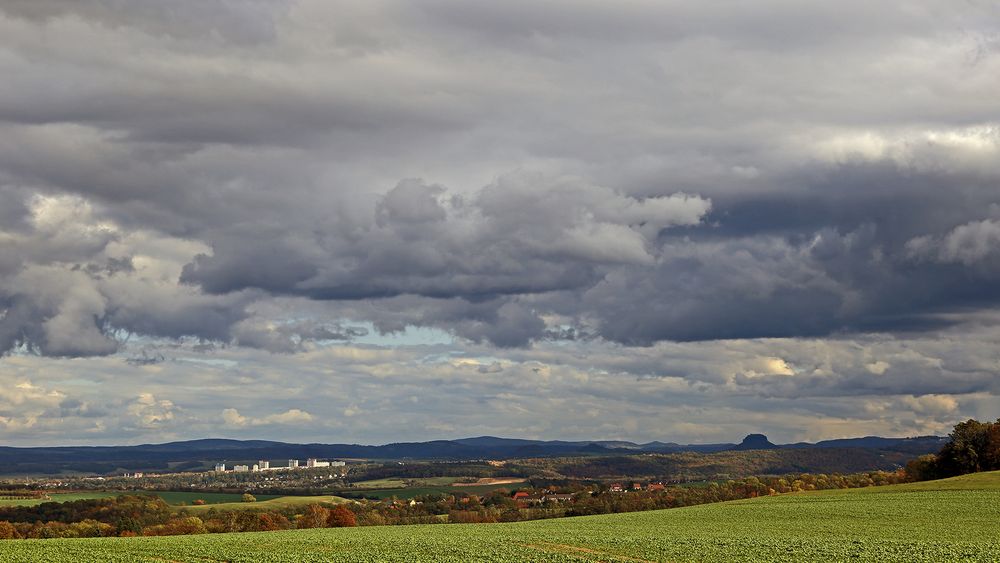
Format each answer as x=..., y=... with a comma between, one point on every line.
x=932, y=404
x=878, y=367
x=232, y=417
x=148, y=412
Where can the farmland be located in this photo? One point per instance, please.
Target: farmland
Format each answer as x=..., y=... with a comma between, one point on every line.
x=185, y=500
x=411, y=488
x=271, y=503
x=58, y=497
x=181, y=498
x=219, y=500
x=950, y=520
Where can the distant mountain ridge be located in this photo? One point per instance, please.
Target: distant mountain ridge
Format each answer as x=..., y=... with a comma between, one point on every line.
x=197, y=454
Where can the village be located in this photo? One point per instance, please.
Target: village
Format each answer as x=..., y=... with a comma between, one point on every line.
x=525, y=498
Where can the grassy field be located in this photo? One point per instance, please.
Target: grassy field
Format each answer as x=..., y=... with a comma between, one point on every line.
x=411, y=492
x=404, y=489
x=268, y=503
x=223, y=501
x=953, y=520
x=392, y=483
x=174, y=498
x=179, y=497
x=58, y=497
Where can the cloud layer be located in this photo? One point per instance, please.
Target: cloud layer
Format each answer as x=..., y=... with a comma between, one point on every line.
x=231, y=181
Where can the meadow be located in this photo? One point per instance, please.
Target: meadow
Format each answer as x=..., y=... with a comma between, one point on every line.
x=178, y=499
x=171, y=497
x=266, y=502
x=181, y=497
x=411, y=488
x=949, y=520
x=58, y=497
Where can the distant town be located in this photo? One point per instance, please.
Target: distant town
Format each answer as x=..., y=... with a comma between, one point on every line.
x=265, y=465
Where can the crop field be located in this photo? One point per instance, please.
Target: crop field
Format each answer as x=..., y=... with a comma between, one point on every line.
x=953, y=520
x=391, y=483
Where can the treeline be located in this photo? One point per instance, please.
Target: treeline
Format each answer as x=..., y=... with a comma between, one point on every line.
x=691, y=466
x=972, y=447
x=417, y=470
x=750, y=487
x=124, y=515
x=21, y=494
x=148, y=515
x=59, y=467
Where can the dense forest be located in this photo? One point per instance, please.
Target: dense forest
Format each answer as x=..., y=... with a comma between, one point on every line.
x=972, y=446
x=690, y=466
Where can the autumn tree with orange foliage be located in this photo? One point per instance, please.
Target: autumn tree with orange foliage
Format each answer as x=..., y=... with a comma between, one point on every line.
x=341, y=517
x=314, y=517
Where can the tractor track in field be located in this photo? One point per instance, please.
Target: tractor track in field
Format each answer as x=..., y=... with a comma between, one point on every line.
x=575, y=550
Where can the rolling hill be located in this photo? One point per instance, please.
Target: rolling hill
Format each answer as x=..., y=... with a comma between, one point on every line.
x=949, y=520
x=201, y=454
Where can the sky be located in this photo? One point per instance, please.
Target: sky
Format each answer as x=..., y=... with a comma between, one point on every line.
x=380, y=221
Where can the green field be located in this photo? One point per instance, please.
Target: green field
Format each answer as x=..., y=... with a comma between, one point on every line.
x=176, y=498
x=173, y=498
x=953, y=520
x=59, y=497
x=406, y=489
x=399, y=483
x=222, y=501
x=271, y=503
x=392, y=483
x=412, y=492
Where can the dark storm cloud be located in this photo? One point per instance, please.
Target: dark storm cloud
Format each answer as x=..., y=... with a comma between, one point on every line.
x=501, y=321
x=641, y=220
x=857, y=247
x=837, y=256
x=510, y=173
x=70, y=281
x=291, y=336
x=524, y=234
